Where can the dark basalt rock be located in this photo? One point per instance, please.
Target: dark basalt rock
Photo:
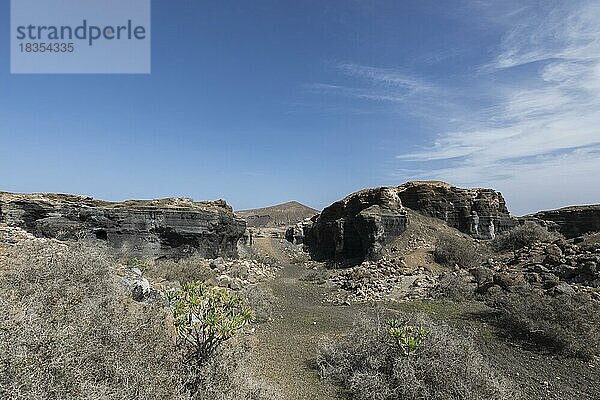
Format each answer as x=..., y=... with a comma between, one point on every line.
x=482, y=213
x=147, y=228
x=572, y=221
x=357, y=227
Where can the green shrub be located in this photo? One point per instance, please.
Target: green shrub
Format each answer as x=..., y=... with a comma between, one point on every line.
x=452, y=250
x=522, y=236
x=411, y=358
x=408, y=338
x=568, y=323
x=205, y=317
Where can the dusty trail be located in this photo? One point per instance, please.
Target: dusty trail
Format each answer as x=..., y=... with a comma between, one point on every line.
x=287, y=345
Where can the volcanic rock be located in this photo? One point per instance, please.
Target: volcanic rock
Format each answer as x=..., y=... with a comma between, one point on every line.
x=573, y=221
x=147, y=228
x=360, y=225
x=357, y=227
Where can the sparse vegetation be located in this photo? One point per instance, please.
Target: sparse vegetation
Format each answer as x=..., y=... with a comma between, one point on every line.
x=408, y=338
x=205, y=317
x=523, y=235
x=452, y=250
x=318, y=276
x=69, y=330
x=413, y=358
x=183, y=271
x=453, y=287
x=568, y=323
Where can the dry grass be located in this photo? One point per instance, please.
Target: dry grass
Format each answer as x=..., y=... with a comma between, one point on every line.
x=262, y=301
x=569, y=324
x=445, y=366
x=72, y=333
x=453, y=287
x=523, y=235
x=452, y=250
x=69, y=331
x=183, y=271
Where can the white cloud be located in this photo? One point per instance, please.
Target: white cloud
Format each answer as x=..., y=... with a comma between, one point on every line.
x=358, y=93
x=387, y=76
x=527, y=122
x=545, y=130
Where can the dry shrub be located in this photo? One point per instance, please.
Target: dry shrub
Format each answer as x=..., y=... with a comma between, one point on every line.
x=452, y=250
x=522, y=236
x=318, y=276
x=227, y=377
x=185, y=270
x=567, y=323
x=445, y=365
x=453, y=287
x=69, y=331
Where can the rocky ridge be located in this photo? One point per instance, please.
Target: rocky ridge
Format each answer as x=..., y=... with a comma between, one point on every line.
x=149, y=228
x=572, y=221
x=359, y=226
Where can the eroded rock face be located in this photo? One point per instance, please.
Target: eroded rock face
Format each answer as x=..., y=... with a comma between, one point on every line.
x=148, y=228
x=479, y=212
x=357, y=227
x=573, y=221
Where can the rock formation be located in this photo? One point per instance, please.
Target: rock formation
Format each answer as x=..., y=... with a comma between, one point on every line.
x=479, y=212
x=357, y=227
x=147, y=228
x=572, y=221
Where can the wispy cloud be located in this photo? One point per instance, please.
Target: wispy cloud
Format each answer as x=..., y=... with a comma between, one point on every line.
x=546, y=125
x=386, y=76
x=526, y=122
x=403, y=92
x=354, y=92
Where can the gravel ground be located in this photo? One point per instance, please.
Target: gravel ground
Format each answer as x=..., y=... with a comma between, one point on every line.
x=288, y=344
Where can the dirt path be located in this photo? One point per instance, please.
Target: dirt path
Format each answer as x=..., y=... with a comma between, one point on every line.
x=287, y=345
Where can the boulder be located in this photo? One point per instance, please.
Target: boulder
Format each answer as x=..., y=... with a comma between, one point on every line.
x=142, y=228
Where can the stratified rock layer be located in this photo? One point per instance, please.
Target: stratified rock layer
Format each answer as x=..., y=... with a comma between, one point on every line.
x=479, y=212
x=358, y=226
x=148, y=228
x=573, y=221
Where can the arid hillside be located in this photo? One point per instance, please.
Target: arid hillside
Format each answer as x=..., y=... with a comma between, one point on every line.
x=277, y=216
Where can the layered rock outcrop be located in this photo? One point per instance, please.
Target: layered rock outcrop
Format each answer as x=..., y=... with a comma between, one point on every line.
x=573, y=221
x=357, y=227
x=479, y=212
x=148, y=228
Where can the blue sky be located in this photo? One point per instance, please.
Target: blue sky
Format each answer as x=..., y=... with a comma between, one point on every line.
x=260, y=102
